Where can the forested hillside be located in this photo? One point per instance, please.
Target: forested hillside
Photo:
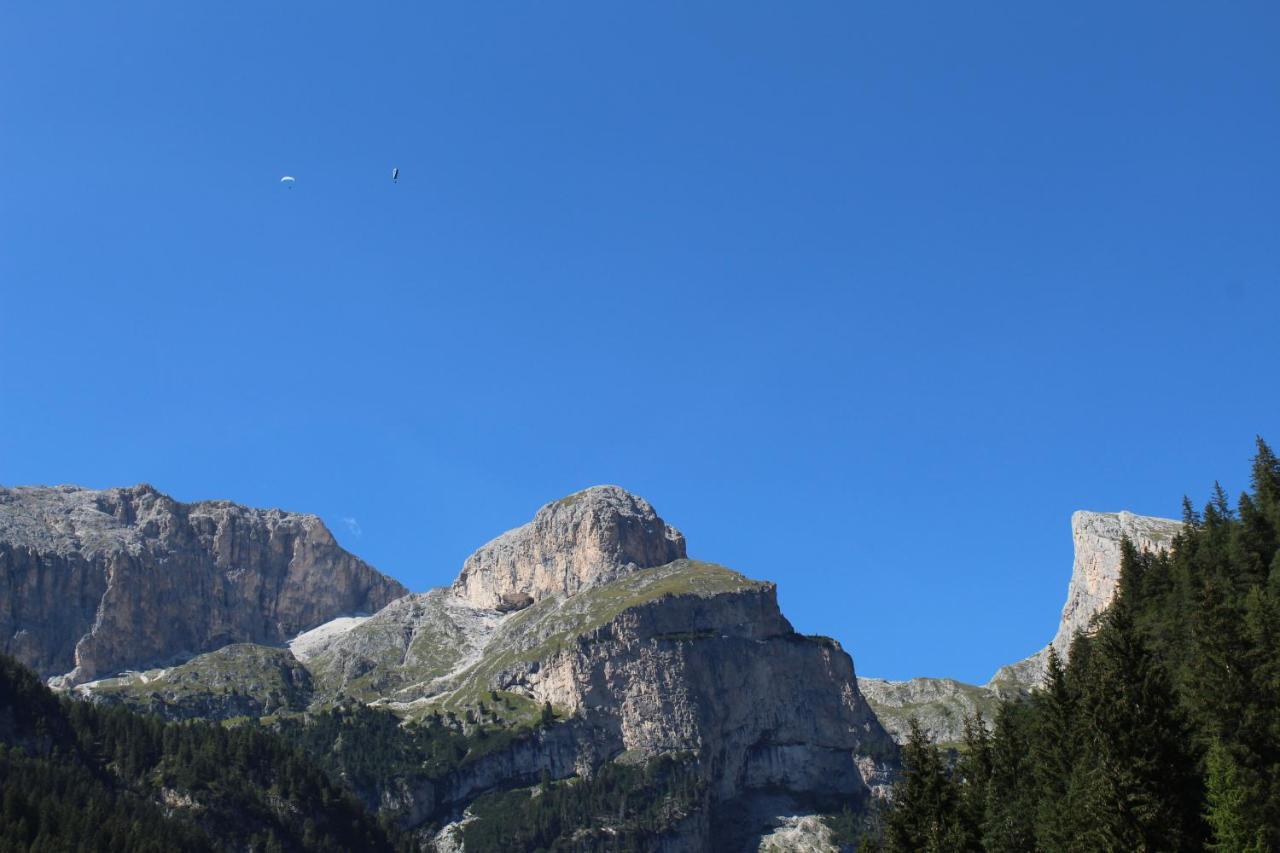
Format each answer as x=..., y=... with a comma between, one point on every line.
x=1161, y=733
x=79, y=777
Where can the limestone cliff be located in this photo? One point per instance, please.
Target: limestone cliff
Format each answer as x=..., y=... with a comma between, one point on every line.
x=1095, y=575
x=693, y=657
x=587, y=538
x=942, y=704
x=95, y=582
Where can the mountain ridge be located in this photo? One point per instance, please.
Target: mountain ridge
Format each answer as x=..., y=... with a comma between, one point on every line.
x=101, y=580
x=579, y=640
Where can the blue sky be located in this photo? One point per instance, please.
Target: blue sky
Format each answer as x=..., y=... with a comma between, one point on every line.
x=866, y=298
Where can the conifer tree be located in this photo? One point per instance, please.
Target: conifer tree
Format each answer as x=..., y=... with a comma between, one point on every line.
x=1053, y=758
x=973, y=777
x=924, y=816
x=1231, y=811
x=1146, y=789
x=1266, y=482
x=1010, y=799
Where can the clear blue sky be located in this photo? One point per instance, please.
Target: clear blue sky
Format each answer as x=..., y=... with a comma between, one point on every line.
x=866, y=298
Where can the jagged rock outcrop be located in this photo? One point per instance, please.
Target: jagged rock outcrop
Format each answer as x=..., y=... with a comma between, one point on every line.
x=587, y=538
x=1095, y=575
x=941, y=704
x=95, y=582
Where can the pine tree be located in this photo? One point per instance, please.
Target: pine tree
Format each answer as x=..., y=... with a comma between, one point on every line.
x=1232, y=812
x=924, y=816
x=1053, y=758
x=1266, y=482
x=1010, y=799
x=1146, y=790
x=1220, y=677
x=973, y=776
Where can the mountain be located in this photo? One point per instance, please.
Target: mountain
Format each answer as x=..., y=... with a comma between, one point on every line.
x=581, y=651
x=95, y=582
x=941, y=704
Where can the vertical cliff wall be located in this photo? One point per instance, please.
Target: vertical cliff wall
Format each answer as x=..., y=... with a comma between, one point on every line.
x=93, y=582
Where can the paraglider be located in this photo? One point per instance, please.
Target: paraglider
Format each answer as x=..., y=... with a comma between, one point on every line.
x=287, y=180
x=395, y=175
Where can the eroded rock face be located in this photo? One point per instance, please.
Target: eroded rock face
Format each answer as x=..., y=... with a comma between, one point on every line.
x=726, y=678
x=1095, y=576
x=587, y=538
x=941, y=704
x=95, y=582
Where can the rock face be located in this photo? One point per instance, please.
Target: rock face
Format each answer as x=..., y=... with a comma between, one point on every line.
x=941, y=704
x=95, y=582
x=721, y=674
x=1095, y=576
x=587, y=538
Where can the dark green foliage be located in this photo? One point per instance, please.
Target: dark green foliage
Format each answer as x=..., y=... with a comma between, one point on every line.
x=1145, y=789
x=926, y=814
x=1163, y=732
x=1011, y=806
x=79, y=777
x=621, y=808
x=371, y=748
x=376, y=754
x=973, y=773
x=1052, y=758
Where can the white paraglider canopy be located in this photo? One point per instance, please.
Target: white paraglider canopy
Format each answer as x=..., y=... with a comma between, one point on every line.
x=287, y=180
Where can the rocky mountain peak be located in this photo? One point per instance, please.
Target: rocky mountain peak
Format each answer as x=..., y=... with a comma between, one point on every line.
x=1095, y=572
x=95, y=581
x=1095, y=577
x=587, y=538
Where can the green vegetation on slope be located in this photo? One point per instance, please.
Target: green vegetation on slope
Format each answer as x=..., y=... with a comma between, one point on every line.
x=377, y=754
x=76, y=776
x=624, y=808
x=242, y=679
